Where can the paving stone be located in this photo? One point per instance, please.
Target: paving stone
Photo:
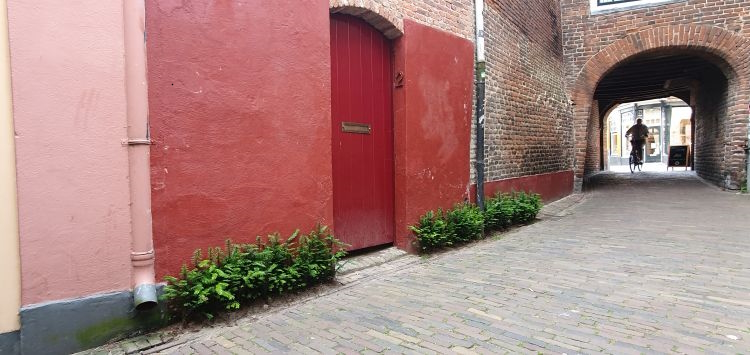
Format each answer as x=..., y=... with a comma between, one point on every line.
x=249, y=346
x=648, y=263
x=218, y=349
x=366, y=344
x=201, y=349
x=341, y=349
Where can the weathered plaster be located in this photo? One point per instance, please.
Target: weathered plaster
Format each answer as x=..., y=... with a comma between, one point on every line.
x=72, y=169
x=242, y=126
x=432, y=123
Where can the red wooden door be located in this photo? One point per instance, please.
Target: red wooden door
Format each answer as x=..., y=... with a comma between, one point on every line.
x=362, y=115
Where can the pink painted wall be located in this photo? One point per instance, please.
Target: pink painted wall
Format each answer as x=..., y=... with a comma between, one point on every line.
x=69, y=107
x=432, y=123
x=239, y=99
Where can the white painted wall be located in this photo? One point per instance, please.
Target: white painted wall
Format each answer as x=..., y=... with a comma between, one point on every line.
x=10, y=263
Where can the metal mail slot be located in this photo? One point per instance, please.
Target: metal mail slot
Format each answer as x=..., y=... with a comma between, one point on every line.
x=353, y=127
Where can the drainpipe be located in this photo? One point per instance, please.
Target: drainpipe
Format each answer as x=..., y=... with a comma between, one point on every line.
x=747, y=159
x=479, y=81
x=142, y=253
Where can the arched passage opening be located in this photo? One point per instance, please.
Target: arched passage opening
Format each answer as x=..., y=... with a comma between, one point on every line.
x=669, y=122
x=691, y=76
x=697, y=64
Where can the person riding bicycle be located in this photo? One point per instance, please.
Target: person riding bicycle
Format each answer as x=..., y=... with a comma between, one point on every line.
x=639, y=133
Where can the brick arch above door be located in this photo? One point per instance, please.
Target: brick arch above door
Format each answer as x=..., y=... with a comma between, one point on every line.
x=384, y=20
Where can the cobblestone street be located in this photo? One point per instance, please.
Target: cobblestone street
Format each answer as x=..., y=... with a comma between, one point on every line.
x=641, y=264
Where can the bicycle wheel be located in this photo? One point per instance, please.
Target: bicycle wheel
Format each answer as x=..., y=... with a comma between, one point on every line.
x=632, y=164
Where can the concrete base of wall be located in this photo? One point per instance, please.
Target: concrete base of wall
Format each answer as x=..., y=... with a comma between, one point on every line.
x=10, y=343
x=577, y=185
x=68, y=326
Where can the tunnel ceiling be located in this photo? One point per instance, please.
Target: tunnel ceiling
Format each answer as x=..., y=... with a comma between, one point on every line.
x=644, y=78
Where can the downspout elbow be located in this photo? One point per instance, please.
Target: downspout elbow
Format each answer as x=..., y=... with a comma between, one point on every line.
x=144, y=291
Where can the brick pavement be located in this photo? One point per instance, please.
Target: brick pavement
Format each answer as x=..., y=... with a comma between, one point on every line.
x=642, y=264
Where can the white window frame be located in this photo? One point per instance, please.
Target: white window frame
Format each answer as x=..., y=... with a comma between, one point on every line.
x=595, y=8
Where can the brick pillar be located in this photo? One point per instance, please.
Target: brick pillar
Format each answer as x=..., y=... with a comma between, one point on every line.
x=593, y=141
x=712, y=132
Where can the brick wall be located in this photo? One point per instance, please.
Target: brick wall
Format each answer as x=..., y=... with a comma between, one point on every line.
x=710, y=134
x=593, y=141
x=584, y=35
x=593, y=44
x=528, y=119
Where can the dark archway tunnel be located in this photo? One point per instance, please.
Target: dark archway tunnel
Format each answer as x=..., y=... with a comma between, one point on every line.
x=702, y=80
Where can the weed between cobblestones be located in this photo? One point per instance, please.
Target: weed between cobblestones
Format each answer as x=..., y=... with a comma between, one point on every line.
x=241, y=273
x=466, y=222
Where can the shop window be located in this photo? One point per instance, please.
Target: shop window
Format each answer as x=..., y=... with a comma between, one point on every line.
x=685, y=132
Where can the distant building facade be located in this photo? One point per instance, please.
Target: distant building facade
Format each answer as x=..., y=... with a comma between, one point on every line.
x=669, y=122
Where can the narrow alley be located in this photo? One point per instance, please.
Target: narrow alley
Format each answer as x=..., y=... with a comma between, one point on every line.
x=643, y=263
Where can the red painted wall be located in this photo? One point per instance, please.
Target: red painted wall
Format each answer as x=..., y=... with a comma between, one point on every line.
x=432, y=123
x=239, y=99
x=551, y=186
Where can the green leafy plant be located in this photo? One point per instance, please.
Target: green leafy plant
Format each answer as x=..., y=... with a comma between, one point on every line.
x=317, y=254
x=505, y=210
x=433, y=231
x=461, y=224
x=241, y=273
x=466, y=222
x=527, y=206
x=499, y=212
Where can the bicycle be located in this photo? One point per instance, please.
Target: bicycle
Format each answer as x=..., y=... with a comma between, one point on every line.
x=636, y=160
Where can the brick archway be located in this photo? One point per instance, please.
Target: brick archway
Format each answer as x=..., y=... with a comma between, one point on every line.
x=729, y=52
x=384, y=20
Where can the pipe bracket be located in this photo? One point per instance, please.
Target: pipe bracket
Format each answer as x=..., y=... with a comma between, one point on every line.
x=142, y=256
x=137, y=141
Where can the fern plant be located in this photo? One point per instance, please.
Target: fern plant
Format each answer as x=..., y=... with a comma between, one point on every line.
x=239, y=273
x=317, y=255
x=466, y=222
x=432, y=231
x=499, y=212
x=527, y=207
